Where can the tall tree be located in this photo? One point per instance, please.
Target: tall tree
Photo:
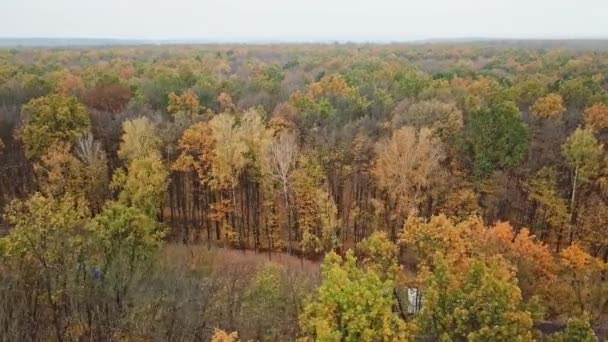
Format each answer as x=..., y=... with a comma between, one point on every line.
x=140, y=139
x=543, y=190
x=583, y=154
x=95, y=171
x=279, y=163
x=408, y=166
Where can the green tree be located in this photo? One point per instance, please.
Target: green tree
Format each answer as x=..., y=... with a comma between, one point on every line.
x=353, y=304
x=267, y=303
x=52, y=119
x=494, y=138
x=578, y=329
x=124, y=238
x=484, y=306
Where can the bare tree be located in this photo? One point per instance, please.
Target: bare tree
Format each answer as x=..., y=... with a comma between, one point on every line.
x=280, y=161
x=95, y=169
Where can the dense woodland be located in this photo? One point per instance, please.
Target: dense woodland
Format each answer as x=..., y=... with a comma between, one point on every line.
x=283, y=192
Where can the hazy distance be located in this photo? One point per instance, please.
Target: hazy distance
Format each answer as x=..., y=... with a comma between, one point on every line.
x=312, y=20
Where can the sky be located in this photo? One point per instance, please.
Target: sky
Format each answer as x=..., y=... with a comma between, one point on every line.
x=304, y=20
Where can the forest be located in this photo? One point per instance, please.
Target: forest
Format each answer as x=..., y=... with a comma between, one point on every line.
x=448, y=191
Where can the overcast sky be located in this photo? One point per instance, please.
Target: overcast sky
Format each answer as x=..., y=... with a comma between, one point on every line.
x=361, y=20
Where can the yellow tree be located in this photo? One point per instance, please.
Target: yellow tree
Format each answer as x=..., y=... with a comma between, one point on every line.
x=229, y=161
x=197, y=146
x=408, y=167
x=582, y=274
x=140, y=139
x=549, y=107
x=583, y=154
x=542, y=189
x=316, y=210
x=424, y=238
x=144, y=183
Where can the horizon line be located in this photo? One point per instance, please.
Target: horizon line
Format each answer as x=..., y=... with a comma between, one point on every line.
x=304, y=40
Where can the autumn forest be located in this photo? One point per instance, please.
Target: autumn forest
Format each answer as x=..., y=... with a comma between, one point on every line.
x=311, y=192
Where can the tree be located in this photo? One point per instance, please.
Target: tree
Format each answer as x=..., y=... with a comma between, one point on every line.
x=226, y=103
x=596, y=117
x=460, y=241
x=94, y=170
x=440, y=234
x=108, y=96
x=229, y=162
x=253, y=133
x=583, y=154
x=197, y=146
x=377, y=253
x=266, y=306
x=580, y=273
x=144, y=184
x=186, y=104
x=494, y=138
x=483, y=304
x=578, y=329
x=140, y=139
x=317, y=221
x=534, y=263
x=279, y=163
x=594, y=226
x=60, y=173
x=50, y=120
x=444, y=118
x=408, y=167
x=542, y=189
x=230, y=150
x=353, y=305
x=548, y=107
x=316, y=210
x=220, y=335
x=124, y=239
x=125, y=235
x=46, y=249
